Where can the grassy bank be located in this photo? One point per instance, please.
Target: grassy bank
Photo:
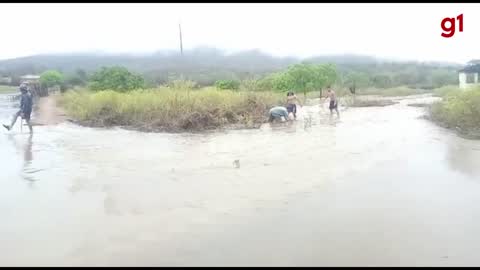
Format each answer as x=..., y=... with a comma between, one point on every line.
x=384, y=92
x=392, y=92
x=6, y=89
x=168, y=109
x=460, y=110
x=445, y=90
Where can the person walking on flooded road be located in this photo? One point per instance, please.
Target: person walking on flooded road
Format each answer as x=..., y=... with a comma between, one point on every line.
x=25, y=111
x=333, y=101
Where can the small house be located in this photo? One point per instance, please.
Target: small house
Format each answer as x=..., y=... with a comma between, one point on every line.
x=468, y=76
x=30, y=78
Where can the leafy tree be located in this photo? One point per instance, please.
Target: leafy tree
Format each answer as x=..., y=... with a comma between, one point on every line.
x=116, y=78
x=305, y=77
x=51, y=78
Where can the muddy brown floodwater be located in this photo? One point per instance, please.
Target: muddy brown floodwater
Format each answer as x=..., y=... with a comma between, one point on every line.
x=380, y=186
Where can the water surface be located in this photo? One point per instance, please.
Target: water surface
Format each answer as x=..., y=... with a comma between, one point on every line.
x=380, y=186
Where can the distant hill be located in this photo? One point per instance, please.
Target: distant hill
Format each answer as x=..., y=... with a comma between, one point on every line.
x=206, y=65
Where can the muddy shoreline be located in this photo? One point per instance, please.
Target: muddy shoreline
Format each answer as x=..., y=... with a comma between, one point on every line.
x=466, y=134
x=154, y=129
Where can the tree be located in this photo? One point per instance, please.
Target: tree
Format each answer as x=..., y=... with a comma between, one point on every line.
x=326, y=75
x=116, y=78
x=305, y=77
x=51, y=78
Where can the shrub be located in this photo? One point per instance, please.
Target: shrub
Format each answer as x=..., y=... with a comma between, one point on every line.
x=444, y=90
x=459, y=109
x=170, y=109
x=51, y=78
x=227, y=84
x=117, y=79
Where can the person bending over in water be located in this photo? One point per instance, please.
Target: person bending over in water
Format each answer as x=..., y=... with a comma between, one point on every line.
x=333, y=101
x=292, y=101
x=25, y=109
x=279, y=113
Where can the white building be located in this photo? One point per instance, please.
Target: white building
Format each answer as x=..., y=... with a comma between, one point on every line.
x=30, y=78
x=468, y=76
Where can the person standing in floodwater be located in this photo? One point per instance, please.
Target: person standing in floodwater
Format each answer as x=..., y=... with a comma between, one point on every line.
x=25, y=111
x=333, y=101
x=292, y=101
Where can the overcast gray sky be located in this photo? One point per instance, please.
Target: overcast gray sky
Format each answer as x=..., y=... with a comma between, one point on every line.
x=398, y=31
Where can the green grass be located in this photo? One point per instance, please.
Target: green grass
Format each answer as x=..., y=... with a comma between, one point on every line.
x=170, y=109
x=459, y=109
x=7, y=89
x=444, y=90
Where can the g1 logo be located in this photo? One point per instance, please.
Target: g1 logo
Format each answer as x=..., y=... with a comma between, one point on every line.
x=449, y=31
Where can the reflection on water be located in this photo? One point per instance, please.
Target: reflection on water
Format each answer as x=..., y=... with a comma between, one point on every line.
x=378, y=187
x=25, y=147
x=464, y=156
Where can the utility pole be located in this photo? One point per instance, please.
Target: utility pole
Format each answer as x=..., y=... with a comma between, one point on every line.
x=181, y=44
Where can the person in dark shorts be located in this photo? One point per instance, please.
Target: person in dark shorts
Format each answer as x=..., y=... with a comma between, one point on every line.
x=292, y=101
x=333, y=101
x=25, y=111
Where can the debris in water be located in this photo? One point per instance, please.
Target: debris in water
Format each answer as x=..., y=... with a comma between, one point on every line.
x=420, y=105
x=236, y=163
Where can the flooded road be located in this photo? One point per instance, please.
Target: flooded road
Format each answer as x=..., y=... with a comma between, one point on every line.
x=380, y=186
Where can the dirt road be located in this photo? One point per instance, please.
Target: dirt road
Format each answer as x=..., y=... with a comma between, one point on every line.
x=47, y=112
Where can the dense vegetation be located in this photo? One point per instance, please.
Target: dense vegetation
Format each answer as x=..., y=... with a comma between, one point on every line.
x=116, y=78
x=115, y=97
x=170, y=109
x=51, y=78
x=459, y=110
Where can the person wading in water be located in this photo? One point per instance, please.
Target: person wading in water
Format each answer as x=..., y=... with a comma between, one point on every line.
x=25, y=111
x=333, y=101
x=292, y=101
